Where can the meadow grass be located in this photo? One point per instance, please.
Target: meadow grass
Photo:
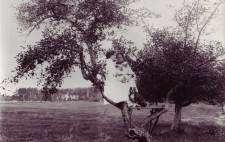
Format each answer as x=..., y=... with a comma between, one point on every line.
x=94, y=122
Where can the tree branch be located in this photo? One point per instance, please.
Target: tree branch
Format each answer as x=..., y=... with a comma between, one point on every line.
x=188, y=22
x=74, y=24
x=108, y=100
x=156, y=121
x=196, y=18
x=23, y=71
x=92, y=56
x=83, y=66
x=37, y=24
x=163, y=110
x=204, y=25
x=208, y=61
x=92, y=78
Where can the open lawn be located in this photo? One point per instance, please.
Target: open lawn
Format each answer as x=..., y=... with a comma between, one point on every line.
x=94, y=122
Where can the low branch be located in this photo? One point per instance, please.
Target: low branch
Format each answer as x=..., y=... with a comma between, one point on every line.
x=156, y=121
x=107, y=99
x=155, y=115
x=163, y=110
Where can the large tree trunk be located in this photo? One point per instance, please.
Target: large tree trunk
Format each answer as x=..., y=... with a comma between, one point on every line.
x=177, y=117
x=133, y=131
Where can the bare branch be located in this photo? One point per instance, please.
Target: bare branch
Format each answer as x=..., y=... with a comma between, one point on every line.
x=38, y=23
x=206, y=22
x=209, y=61
x=196, y=18
x=184, y=27
x=188, y=21
x=25, y=69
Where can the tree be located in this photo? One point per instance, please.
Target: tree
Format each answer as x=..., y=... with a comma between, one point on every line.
x=47, y=93
x=168, y=64
x=193, y=20
x=72, y=31
x=179, y=59
x=32, y=94
x=23, y=94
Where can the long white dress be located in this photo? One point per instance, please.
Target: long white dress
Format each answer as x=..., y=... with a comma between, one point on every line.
x=119, y=79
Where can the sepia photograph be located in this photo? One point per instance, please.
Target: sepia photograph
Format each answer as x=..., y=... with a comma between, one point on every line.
x=112, y=71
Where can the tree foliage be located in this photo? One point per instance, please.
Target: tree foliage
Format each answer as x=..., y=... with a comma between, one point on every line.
x=72, y=32
x=179, y=66
x=167, y=62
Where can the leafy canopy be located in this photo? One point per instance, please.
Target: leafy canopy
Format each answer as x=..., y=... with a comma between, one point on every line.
x=167, y=62
x=72, y=31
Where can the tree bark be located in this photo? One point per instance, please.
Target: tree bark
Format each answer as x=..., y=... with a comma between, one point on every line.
x=177, y=117
x=133, y=131
x=138, y=131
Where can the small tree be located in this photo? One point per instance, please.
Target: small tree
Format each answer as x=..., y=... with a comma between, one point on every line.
x=193, y=21
x=182, y=48
x=169, y=63
x=47, y=93
x=23, y=94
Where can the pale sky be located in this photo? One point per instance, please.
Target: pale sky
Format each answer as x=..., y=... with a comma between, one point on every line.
x=11, y=40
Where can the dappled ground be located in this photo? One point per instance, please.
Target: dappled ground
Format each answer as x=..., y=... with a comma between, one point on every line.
x=94, y=122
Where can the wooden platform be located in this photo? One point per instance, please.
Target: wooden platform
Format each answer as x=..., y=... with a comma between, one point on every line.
x=150, y=107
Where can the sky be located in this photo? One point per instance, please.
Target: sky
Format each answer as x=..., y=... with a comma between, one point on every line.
x=11, y=40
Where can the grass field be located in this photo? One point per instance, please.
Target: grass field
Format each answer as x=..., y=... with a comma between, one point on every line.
x=94, y=122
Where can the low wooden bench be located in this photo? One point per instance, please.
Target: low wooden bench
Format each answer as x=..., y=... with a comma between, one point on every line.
x=151, y=107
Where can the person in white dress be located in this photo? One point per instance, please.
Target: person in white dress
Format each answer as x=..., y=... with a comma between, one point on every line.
x=119, y=78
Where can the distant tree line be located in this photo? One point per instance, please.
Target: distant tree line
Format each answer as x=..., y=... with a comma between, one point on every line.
x=69, y=94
